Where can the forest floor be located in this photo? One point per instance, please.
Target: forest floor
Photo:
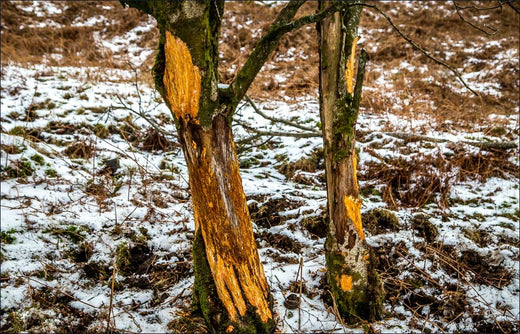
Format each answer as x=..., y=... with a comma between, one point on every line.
x=96, y=219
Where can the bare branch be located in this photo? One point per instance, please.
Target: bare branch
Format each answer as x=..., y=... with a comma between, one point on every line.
x=242, y=149
x=499, y=5
x=423, y=51
x=278, y=120
x=494, y=145
x=359, y=80
x=282, y=25
x=510, y=4
x=458, y=8
x=279, y=134
x=267, y=44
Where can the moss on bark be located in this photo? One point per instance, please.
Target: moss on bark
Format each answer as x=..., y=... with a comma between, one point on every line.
x=205, y=299
x=206, y=302
x=364, y=298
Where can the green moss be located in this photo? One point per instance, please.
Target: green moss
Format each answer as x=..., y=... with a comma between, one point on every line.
x=7, y=237
x=122, y=255
x=16, y=321
x=378, y=221
x=364, y=300
x=101, y=131
x=18, y=131
x=72, y=232
x=21, y=169
x=205, y=298
x=51, y=172
x=38, y=159
x=207, y=304
x=160, y=65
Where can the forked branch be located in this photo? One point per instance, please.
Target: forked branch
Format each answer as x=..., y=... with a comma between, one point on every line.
x=459, y=13
x=268, y=43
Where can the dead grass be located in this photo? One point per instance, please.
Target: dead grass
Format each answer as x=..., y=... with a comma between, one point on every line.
x=435, y=26
x=422, y=179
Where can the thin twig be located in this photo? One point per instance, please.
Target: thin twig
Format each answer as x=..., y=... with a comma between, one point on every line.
x=423, y=51
x=248, y=140
x=280, y=134
x=111, y=298
x=300, y=272
x=458, y=8
x=278, y=120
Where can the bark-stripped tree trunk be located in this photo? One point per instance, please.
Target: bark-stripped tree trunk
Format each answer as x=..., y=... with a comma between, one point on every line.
x=230, y=287
x=353, y=281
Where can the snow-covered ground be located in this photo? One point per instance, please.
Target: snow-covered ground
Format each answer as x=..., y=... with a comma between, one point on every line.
x=66, y=222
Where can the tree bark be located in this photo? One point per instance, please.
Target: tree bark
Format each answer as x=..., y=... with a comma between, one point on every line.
x=230, y=288
x=352, y=279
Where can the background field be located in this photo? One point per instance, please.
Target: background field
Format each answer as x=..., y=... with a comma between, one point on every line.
x=77, y=92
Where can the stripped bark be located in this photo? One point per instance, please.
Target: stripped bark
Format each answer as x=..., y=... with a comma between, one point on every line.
x=353, y=282
x=230, y=288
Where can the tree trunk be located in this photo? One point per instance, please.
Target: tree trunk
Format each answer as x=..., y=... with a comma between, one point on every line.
x=353, y=281
x=230, y=287
x=224, y=245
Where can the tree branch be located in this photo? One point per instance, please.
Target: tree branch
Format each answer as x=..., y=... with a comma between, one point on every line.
x=424, y=52
x=268, y=43
x=458, y=8
x=279, y=134
x=494, y=145
x=510, y=4
x=278, y=120
x=359, y=80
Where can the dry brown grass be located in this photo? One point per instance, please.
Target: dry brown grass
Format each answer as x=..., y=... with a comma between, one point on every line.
x=29, y=39
x=427, y=178
x=433, y=25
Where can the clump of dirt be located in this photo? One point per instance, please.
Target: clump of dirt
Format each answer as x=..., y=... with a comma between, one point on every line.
x=379, y=221
x=269, y=214
x=421, y=223
x=281, y=242
x=80, y=150
x=316, y=225
x=82, y=252
x=485, y=272
x=97, y=271
x=135, y=259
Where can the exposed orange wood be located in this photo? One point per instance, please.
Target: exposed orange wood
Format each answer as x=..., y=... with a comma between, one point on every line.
x=181, y=79
x=349, y=71
x=353, y=208
x=346, y=282
x=354, y=172
x=222, y=215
